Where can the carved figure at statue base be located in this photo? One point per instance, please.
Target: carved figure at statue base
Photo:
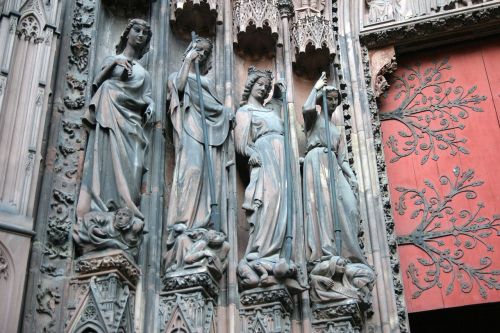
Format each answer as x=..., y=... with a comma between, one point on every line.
x=337, y=279
x=109, y=230
x=196, y=248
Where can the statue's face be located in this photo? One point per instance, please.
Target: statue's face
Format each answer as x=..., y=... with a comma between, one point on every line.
x=215, y=238
x=332, y=100
x=204, y=49
x=260, y=89
x=122, y=218
x=138, y=35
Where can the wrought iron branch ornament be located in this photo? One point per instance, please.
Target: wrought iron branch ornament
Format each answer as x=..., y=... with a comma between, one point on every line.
x=432, y=110
x=439, y=224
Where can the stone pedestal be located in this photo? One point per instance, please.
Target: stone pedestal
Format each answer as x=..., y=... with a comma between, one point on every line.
x=102, y=293
x=188, y=301
x=337, y=317
x=266, y=310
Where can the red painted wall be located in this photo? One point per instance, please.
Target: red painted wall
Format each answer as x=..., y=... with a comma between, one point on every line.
x=450, y=98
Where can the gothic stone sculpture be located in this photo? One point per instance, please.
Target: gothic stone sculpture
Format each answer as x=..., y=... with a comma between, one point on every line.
x=189, y=211
x=109, y=230
x=117, y=114
x=328, y=265
x=259, y=136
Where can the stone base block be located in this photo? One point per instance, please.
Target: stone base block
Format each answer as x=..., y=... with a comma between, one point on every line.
x=337, y=317
x=187, y=310
x=266, y=310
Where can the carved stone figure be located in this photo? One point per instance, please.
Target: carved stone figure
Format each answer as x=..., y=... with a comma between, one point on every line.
x=259, y=136
x=427, y=7
x=318, y=216
x=196, y=248
x=190, y=196
x=109, y=230
x=336, y=279
x=117, y=114
x=380, y=10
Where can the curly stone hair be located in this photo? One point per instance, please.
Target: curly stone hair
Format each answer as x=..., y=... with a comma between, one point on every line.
x=253, y=75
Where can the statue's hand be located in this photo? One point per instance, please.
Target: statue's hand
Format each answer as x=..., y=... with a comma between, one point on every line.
x=254, y=159
x=192, y=55
x=321, y=82
x=127, y=65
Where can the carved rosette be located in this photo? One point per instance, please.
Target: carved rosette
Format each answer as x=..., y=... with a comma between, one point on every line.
x=256, y=24
x=266, y=310
x=29, y=29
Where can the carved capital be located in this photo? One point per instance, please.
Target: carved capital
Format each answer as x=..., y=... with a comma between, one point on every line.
x=106, y=261
x=4, y=265
x=285, y=8
x=345, y=316
x=191, y=278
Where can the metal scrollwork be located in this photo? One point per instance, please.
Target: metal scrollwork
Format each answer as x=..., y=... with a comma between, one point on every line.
x=431, y=112
x=440, y=226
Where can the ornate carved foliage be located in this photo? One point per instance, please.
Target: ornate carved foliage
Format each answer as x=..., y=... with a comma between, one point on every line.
x=431, y=110
x=47, y=300
x=386, y=202
x=4, y=265
x=72, y=139
x=441, y=222
x=313, y=29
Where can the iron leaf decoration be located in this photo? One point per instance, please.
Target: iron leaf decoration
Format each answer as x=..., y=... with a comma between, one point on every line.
x=432, y=110
x=467, y=229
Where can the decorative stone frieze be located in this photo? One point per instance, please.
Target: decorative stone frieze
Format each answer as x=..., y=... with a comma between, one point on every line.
x=339, y=317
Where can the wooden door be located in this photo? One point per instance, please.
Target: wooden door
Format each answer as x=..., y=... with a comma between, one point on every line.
x=441, y=135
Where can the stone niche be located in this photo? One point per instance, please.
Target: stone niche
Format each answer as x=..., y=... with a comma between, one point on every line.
x=195, y=15
x=256, y=27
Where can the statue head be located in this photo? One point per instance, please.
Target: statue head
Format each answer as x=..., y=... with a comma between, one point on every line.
x=141, y=43
x=203, y=47
x=259, y=82
x=215, y=238
x=333, y=98
x=123, y=218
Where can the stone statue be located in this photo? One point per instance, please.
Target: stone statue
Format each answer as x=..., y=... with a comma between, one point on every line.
x=190, y=196
x=336, y=279
x=380, y=10
x=427, y=7
x=318, y=210
x=196, y=248
x=259, y=136
x=109, y=230
x=117, y=114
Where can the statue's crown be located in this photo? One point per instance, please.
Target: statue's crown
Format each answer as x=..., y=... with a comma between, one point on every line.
x=266, y=73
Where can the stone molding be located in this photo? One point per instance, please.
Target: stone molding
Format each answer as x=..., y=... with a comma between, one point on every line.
x=485, y=18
